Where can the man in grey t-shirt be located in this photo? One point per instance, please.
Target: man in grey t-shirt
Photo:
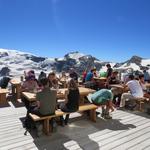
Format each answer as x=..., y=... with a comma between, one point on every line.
x=46, y=99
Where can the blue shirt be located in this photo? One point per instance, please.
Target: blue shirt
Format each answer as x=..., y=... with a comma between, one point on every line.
x=89, y=76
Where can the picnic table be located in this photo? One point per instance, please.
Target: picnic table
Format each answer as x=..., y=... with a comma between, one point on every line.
x=100, y=78
x=16, y=85
x=147, y=85
x=60, y=94
x=119, y=86
x=100, y=81
x=3, y=93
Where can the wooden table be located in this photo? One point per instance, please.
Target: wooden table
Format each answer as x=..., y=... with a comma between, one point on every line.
x=61, y=94
x=119, y=86
x=3, y=93
x=148, y=85
x=16, y=86
x=100, y=82
x=100, y=78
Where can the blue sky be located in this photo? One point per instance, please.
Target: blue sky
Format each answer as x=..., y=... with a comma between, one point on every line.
x=107, y=29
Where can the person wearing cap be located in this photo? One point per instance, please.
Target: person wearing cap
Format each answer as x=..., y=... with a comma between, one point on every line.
x=103, y=98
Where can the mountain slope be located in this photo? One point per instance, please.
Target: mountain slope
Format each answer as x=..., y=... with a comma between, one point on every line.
x=14, y=63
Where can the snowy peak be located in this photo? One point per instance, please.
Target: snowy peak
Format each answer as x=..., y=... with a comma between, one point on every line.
x=74, y=55
x=14, y=63
x=135, y=59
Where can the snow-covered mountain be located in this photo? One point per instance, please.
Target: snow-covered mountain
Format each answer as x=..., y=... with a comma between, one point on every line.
x=136, y=63
x=14, y=63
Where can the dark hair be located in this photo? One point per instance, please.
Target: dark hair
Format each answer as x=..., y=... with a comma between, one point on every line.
x=72, y=84
x=44, y=81
x=108, y=65
x=131, y=77
x=141, y=76
x=51, y=74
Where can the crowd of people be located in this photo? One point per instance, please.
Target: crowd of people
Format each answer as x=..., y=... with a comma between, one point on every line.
x=46, y=87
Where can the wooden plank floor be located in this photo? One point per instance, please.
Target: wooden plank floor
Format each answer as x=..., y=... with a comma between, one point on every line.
x=126, y=131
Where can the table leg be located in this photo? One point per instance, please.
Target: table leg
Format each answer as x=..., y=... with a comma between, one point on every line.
x=3, y=98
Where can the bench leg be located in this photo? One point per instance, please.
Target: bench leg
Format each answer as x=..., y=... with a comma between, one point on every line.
x=140, y=106
x=46, y=127
x=18, y=91
x=93, y=115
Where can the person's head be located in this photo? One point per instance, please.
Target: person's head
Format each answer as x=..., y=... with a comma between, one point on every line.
x=108, y=66
x=93, y=70
x=114, y=73
x=30, y=78
x=44, y=82
x=51, y=76
x=141, y=77
x=42, y=73
x=63, y=73
x=131, y=77
x=72, y=84
x=31, y=72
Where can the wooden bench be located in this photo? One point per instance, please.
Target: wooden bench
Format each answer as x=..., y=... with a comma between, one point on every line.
x=58, y=113
x=140, y=102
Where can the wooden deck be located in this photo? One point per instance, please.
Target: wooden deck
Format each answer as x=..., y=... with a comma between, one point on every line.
x=126, y=131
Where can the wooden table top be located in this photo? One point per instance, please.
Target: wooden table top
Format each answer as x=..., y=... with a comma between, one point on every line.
x=4, y=91
x=60, y=94
x=148, y=85
x=15, y=81
x=100, y=78
x=117, y=86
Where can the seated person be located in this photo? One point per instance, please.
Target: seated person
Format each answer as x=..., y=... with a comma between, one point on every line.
x=29, y=85
x=53, y=81
x=136, y=91
x=103, y=97
x=146, y=76
x=117, y=92
x=46, y=100
x=4, y=82
x=63, y=79
x=73, y=74
x=89, y=81
x=72, y=99
x=143, y=85
x=84, y=75
x=41, y=75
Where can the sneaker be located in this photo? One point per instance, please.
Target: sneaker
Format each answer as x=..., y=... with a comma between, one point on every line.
x=107, y=117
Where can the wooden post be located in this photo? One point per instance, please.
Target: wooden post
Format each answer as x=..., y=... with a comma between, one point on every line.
x=93, y=115
x=46, y=127
x=18, y=87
